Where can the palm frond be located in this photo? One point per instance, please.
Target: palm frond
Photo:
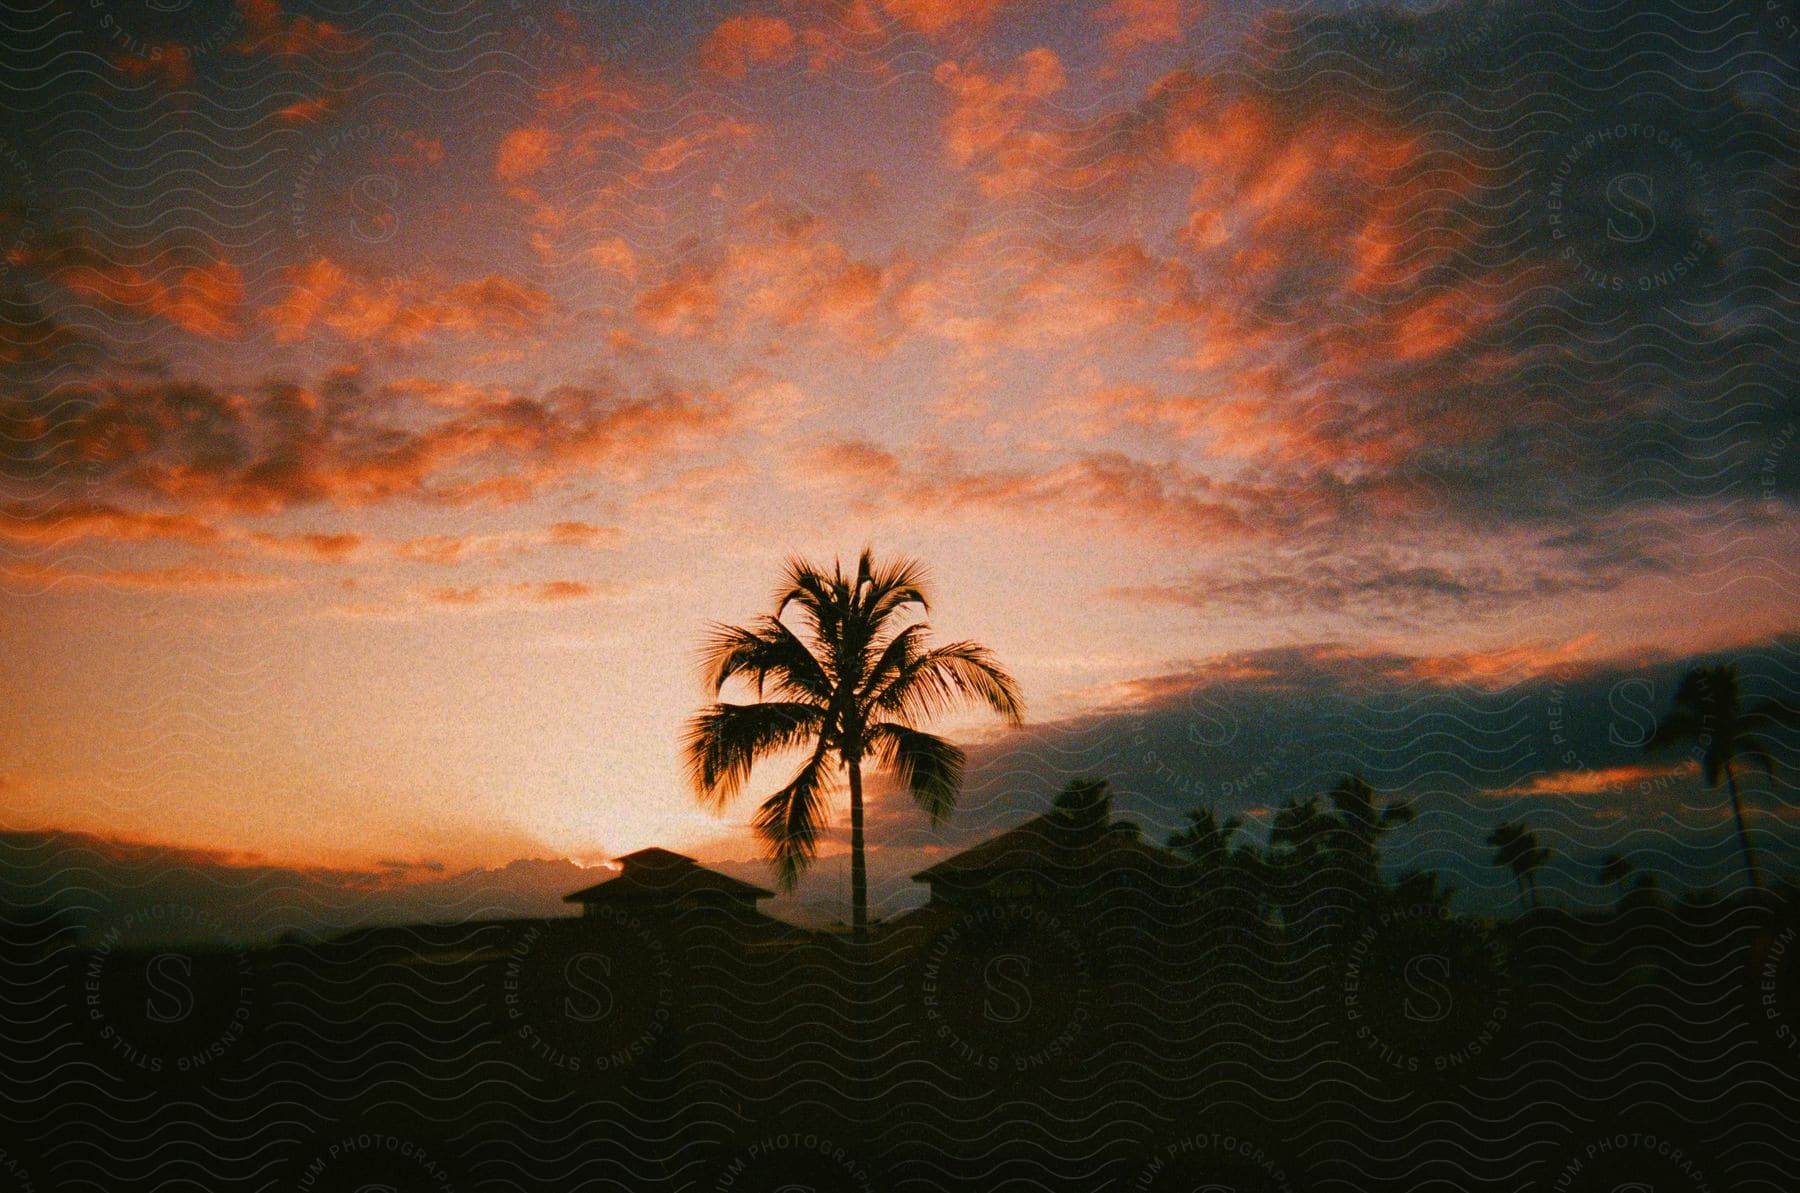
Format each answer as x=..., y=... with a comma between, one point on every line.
x=897, y=653
x=962, y=672
x=893, y=586
x=723, y=742
x=818, y=597
x=766, y=653
x=929, y=767
x=789, y=821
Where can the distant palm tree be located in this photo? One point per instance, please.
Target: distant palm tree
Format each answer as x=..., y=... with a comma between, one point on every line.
x=1084, y=808
x=850, y=684
x=1325, y=852
x=1206, y=839
x=1516, y=847
x=1709, y=712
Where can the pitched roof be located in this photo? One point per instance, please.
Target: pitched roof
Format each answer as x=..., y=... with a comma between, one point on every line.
x=1047, y=843
x=664, y=875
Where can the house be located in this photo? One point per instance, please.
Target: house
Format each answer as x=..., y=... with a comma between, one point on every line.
x=1050, y=860
x=656, y=880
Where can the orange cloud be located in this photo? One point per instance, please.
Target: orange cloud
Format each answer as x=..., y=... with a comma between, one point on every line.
x=268, y=30
x=306, y=111
x=328, y=548
x=202, y=299
x=940, y=16
x=197, y=448
x=784, y=268
x=600, y=153
x=1646, y=778
x=738, y=43
x=1136, y=23
x=1100, y=489
x=523, y=152
x=531, y=592
x=187, y=577
x=413, y=151
x=402, y=310
x=988, y=117
x=100, y=521
x=168, y=62
x=1504, y=666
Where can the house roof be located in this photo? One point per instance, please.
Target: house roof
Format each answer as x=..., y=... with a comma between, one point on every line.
x=1047, y=843
x=663, y=875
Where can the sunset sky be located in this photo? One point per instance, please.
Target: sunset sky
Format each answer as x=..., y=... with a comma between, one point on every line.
x=391, y=400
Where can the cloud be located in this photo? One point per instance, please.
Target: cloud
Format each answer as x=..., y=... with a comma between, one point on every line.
x=522, y=594
x=1106, y=491
x=443, y=549
x=195, y=448
x=174, y=578
x=253, y=899
x=523, y=152
x=740, y=42
x=604, y=156
x=781, y=271
x=66, y=522
x=988, y=121
x=269, y=30
x=1390, y=583
x=316, y=545
x=1135, y=23
x=1642, y=778
x=30, y=337
x=201, y=299
x=310, y=110
x=402, y=310
x=169, y=63
x=939, y=17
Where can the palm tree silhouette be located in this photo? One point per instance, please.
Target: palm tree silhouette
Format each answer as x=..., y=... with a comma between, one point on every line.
x=1084, y=808
x=1709, y=712
x=1206, y=839
x=850, y=684
x=1516, y=847
x=1326, y=850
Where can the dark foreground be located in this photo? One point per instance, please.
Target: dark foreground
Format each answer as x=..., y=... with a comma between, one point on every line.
x=1016, y=1047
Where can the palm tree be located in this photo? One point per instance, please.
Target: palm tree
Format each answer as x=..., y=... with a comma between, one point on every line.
x=849, y=682
x=1516, y=847
x=1226, y=873
x=1325, y=850
x=1709, y=711
x=1084, y=809
x=1207, y=839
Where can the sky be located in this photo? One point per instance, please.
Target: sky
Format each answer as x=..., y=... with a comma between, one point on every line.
x=393, y=395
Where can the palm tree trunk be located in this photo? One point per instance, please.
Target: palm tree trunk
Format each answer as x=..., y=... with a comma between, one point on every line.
x=1743, y=832
x=859, y=875
x=1524, y=901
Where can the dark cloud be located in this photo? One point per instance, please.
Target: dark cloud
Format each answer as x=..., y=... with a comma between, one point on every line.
x=1383, y=585
x=196, y=446
x=97, y=883
x=1473, y=738
x=1470, y=254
